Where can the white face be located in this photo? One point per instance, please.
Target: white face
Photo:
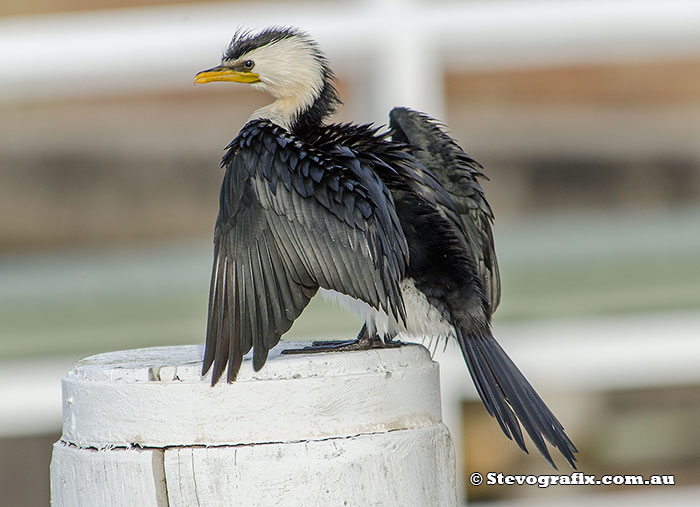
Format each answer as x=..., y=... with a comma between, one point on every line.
x=288, y=69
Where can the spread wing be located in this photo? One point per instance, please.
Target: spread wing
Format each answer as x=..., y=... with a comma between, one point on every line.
x=458, y=173
x=293, y=219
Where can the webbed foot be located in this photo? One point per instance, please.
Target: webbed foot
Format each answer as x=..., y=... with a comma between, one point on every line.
x=362, y=342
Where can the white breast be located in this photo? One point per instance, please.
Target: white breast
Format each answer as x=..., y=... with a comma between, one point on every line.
x=423, y=320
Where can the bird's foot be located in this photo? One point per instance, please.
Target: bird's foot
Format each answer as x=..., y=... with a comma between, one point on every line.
x=362, y=342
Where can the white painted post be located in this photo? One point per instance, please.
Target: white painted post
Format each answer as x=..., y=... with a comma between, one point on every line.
x=141, y=427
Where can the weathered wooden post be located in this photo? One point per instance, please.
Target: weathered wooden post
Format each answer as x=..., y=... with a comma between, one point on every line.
x=141, y=427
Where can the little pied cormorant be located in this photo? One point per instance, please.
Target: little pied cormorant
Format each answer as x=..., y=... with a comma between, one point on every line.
x=395, y=222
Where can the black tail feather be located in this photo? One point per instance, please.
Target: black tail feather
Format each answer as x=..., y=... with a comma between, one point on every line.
x=509, y=397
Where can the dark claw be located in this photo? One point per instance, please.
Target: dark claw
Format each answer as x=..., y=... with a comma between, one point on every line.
x=363, y=342
x=324, y=346
x=331, y=343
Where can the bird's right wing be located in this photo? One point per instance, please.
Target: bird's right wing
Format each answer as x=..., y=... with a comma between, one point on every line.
x=292, y=219
x=458, y=174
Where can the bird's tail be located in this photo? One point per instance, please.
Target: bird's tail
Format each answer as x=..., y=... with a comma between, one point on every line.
x=509, y=397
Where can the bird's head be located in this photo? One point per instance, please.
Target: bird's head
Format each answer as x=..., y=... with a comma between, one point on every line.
x=285, y=63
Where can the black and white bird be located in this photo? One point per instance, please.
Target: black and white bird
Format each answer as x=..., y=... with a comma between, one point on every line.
x=394, y=223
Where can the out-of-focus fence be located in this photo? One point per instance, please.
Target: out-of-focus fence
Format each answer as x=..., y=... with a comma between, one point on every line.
x=398, y=48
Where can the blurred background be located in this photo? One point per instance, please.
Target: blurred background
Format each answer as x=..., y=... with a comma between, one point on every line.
x=585, y=113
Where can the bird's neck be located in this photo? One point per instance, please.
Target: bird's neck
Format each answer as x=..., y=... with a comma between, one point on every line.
x=283, y=112
x=300, y=112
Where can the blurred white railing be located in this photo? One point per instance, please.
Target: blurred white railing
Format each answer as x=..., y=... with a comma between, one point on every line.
x=584, y=355
x=396, y=49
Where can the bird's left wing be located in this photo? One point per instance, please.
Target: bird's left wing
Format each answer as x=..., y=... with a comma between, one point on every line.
x=459, y=175
x=292, y=219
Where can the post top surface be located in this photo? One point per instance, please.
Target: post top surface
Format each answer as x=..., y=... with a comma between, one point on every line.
x=157, y=397
x=183, y=363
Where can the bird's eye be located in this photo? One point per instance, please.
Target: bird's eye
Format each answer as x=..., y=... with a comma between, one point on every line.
x=248, y=64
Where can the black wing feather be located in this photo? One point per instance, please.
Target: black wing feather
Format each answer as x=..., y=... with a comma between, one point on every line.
x=275, y=245
x=458, y=174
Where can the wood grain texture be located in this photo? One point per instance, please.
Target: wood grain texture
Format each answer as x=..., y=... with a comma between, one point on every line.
x=118, y=477
x=398, y=468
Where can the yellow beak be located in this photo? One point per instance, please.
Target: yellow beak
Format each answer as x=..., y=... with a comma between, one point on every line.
x=225, y=74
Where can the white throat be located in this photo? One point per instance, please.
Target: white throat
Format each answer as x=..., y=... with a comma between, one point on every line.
x=282, y=112
x=291, y=72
